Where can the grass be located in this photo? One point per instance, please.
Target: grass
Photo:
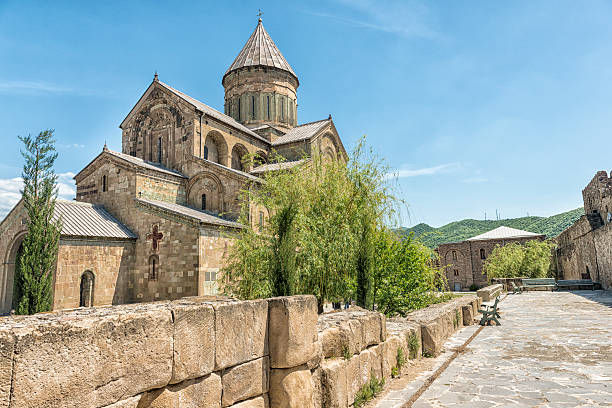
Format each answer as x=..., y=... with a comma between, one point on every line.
x=457, y=321
x=413, y=345
x=370, y=389
x=346, y=353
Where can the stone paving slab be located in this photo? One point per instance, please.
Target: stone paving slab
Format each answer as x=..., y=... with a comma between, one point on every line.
x=552, y=350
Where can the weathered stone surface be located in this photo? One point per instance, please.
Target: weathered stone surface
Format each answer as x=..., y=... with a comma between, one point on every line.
x=334, y=383
x=353, y=378
x=131, y=402
x=389, y=359
x=202, y=392
x=489, y=293
x=86, y=358
x=292, y=329
x=372, y=328
x=291, y=388
x=468, y=315
x=405, y=330
x=245, y=381
x=241, y=330
x=315, y=361
x=370, y=361
x=258, y=402
x=317, y=387
x=194, y=340
x=7, y=346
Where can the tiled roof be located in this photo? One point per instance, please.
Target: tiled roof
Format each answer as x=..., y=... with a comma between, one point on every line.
x=275, y=166
x=222, y=117
x=145, y=164
x=260, y=50
x=302, y=132
x=504, y=233
x=89, y=220
x=202, y=216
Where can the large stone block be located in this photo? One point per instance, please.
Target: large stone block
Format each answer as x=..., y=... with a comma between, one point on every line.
x=370, y=363
x=291, y=388
x=91, y=358
x=241, y=330
x=389, y=357
x=245, y=381
x=131, y=402
x=292, y=329
x=353, y=378
x=372, y=326
x=468, y=315
x=334, y=383
x=258, y=402
x=202, y=392
x=7, y=347
x=317, y=387
x=194, y=340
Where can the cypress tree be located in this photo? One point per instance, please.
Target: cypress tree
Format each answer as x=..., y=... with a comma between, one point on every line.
x=34, y=272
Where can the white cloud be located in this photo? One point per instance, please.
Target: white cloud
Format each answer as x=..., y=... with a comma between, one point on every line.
x=399, y=17
x=32, y=86
x=427, y=171
x=71, y=146
x=473, y=180
x=10, y=191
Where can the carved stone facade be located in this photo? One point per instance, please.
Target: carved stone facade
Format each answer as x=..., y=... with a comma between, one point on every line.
x=584, y=250
x=173, y=194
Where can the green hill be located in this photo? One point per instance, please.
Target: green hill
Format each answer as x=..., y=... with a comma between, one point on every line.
x=464, y=229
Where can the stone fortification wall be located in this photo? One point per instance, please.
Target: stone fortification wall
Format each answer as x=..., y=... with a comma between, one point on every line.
x=196, y=352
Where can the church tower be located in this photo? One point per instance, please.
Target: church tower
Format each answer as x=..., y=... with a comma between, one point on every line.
x=260, y=85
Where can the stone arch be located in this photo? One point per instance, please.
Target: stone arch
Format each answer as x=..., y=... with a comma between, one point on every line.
x=208, y=184
x=328, y=147
x=215, y=148
x=86, y=289
x=239, y=153
x=448, y=257
x=260, y=158
x=8, y=274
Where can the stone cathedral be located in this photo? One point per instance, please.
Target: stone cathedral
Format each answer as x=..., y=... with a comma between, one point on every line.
x=154, y=221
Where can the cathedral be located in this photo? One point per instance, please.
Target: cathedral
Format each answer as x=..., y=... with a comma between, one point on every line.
x=155, y=221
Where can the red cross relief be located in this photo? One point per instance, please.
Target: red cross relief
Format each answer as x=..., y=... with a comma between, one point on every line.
x=156, y=236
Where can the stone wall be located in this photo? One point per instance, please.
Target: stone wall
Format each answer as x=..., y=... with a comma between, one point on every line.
x=195, y=352
x=602, y=239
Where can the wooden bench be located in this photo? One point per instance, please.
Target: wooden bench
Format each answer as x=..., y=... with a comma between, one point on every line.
x=516, y=289
x=540, y=283
x=577, y=283
x=489, y=313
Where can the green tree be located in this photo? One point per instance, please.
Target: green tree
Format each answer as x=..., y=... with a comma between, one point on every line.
x=317, y=232
x=34, y=274
x=531, y=260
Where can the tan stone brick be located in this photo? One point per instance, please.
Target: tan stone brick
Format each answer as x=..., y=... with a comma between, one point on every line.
x=245, y=381
x=291, y=387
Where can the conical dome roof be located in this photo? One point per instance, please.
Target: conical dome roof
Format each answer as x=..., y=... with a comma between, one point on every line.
x=260, y=50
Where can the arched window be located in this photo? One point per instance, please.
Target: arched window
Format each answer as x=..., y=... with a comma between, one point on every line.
x=252, y=107
x=203, y=202
x=153, y=267
x=282, y=108
x=206, y=152
x=261, y=219
x=483, y=255
x=104, y=184
x=454, y=255
x=239, y=108
x=87, y=289
x=268, y=99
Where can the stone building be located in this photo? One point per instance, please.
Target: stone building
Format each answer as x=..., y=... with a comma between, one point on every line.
x=464, y=260
x=154, y=221
x=584, y=250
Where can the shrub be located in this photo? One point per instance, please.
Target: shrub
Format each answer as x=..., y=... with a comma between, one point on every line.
x=369, y=390
x=346, y=353
x=413, y=345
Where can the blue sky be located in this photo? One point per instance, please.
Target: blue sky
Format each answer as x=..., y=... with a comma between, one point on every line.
x=477, y=106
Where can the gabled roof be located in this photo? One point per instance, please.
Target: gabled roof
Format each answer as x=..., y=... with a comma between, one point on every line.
x=222, y=117
x=504, y=233
x=260, y=50
x=301, y=132
x=201, y=216
x=89, y=220
x=135, y=161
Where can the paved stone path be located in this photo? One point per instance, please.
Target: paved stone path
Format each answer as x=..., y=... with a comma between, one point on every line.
x=552, y=350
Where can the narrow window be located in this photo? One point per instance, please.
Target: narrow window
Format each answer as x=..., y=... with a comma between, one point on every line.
x=282, y=109
x=252, y=107
x=206, y=152
x=261, y=219
x=159, y=150
x=104, y=183
x=153, y=267
x=454, y=255
x=239, y=110
x=268, y=98
x=203, y=202
x=87, y=289
x=456, y=272
x=482, y=254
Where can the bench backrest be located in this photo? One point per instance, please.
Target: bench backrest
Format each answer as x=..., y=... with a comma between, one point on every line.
x=539, y=281
x=575, y=282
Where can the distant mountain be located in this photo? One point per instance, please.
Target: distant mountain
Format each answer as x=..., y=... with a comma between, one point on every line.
x=464, y=229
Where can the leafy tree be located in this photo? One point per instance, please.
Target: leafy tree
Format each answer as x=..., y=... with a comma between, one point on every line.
x=34, y=274
x=317, y=235
x=514, y=260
